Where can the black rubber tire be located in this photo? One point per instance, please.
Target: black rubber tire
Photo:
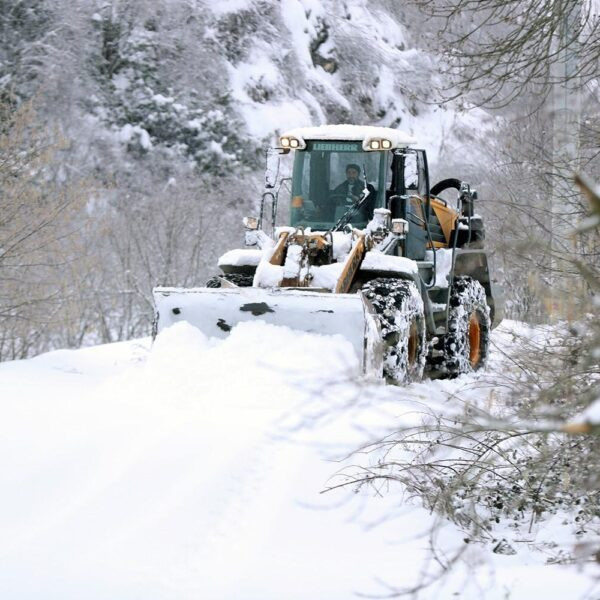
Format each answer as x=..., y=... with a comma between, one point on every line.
x=235, y=278
x=399, y=307
x=453, y=353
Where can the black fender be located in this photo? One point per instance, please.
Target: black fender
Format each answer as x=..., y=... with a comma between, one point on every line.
x=445, y=184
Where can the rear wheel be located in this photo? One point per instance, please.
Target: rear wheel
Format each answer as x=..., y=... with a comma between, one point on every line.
x=399, y=307
x=465, y=347
x=235, y=278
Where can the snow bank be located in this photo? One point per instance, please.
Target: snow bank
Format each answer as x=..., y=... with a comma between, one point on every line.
x=156, y=479
x=193, y=469
x=251, y=347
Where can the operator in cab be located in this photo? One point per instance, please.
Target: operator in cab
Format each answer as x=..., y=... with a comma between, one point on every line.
x=349, y=192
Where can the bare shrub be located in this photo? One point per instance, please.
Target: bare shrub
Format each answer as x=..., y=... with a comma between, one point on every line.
x=37, y=218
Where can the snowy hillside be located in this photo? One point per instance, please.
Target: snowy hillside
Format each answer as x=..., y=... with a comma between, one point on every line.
x=156, y=116
x=329, y=62
x=208, y=84
x=194, y=469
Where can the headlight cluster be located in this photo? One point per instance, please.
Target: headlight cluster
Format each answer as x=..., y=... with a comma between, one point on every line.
x=289, y=142
x=379, y=144
x=250, y=223
x=399, y=226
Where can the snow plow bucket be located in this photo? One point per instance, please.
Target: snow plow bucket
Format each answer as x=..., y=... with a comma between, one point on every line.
x=215, y=311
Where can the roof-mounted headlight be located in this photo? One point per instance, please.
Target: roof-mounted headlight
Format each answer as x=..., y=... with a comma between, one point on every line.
x=289, y=142
x=378, y=144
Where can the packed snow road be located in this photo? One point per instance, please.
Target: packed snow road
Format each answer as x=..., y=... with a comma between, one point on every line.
x=193, y=469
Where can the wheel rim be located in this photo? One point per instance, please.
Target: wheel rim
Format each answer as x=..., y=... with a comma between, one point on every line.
x=413, y=344
x=474, y=340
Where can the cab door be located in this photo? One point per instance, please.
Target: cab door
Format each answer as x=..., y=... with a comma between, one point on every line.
x=411, y=187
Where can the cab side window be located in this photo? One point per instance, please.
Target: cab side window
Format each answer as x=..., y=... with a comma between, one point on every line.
x=422, y=173
x=412, y=183
x=411, y=174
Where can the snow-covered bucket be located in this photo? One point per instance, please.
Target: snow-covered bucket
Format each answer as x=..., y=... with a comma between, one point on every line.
x=215, y=311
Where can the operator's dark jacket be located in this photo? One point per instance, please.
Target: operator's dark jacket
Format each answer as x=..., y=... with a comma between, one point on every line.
x=366, y=212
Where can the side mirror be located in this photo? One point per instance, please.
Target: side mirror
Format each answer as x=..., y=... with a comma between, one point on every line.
x=468, y=196
x=272, y=168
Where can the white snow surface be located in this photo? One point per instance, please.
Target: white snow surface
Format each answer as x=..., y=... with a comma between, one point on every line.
x=293, y=258
x=193, y=469
x=591, y=414
x=443, y=265
x=327, y=276
x=129, y=132
x=377, y=261
x=241, y=257
x=342, y=244
x=284, y=229
x=267, y=275
x=352, y=132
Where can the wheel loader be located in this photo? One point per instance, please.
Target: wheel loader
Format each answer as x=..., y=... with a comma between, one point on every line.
x=370, y=251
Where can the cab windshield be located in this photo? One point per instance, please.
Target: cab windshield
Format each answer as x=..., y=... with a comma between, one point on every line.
x=329, y=179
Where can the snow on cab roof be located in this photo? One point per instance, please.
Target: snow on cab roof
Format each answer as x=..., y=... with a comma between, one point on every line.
x=364, y=133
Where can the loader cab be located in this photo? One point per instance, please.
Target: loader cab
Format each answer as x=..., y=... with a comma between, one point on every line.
x=322, y=191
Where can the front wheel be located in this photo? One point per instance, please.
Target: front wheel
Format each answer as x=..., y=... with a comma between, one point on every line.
x=465, y=346
x=399, y=308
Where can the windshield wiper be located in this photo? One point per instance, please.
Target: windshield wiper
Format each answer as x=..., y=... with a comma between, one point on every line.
x=345, y=218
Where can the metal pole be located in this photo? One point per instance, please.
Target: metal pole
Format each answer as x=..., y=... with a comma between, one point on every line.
x=566, y=118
